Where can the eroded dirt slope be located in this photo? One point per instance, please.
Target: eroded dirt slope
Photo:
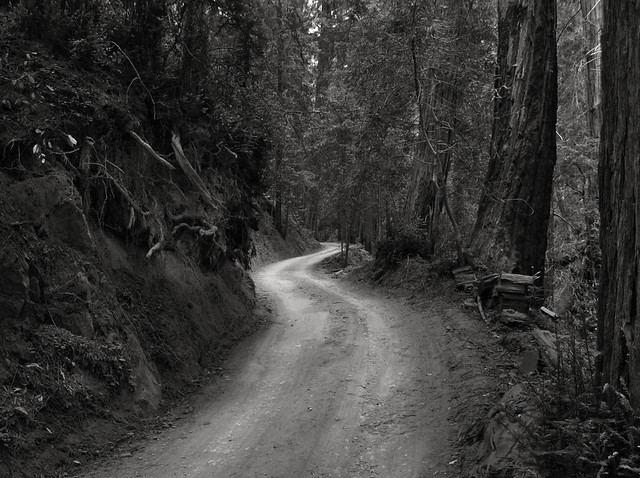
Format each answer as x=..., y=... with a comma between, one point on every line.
x=94, y=336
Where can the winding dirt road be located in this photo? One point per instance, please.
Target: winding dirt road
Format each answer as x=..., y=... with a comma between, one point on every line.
x=341, y=384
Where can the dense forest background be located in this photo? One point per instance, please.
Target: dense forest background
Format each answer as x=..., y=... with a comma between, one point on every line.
x=461, y=131
x=368, y=121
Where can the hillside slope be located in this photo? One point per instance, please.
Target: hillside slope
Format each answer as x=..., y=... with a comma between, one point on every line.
x=124, y=247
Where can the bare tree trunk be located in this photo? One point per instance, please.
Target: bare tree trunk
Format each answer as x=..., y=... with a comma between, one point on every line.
x=326, y=50
x=439, y=98
x=619, y=178
x=513, y=216
x=437, y=118
x=347, y=240
x=457, y=237
x=279, y=149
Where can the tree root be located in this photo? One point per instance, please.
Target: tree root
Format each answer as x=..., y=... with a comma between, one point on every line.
x=158, y=245
x=201, y=231
x=189, y=171
x=150, y=150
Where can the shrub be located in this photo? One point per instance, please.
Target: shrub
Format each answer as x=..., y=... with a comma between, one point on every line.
x=407, y=241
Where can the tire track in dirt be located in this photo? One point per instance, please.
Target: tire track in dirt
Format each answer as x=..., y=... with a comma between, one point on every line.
x=342, y=383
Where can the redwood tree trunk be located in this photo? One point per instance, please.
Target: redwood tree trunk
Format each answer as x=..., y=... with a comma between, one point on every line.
x=513, y=216
x=619, y=177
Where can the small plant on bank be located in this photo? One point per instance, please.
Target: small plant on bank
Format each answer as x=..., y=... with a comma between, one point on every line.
x=584, y=431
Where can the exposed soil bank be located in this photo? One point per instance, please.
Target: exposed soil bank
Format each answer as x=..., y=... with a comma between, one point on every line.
x=93, y=336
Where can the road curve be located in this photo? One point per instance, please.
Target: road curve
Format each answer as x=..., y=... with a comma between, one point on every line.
x=336, y=386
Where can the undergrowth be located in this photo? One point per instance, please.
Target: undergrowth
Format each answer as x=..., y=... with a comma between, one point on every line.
x=59, y=363
x=585, y=430
x=408, y=240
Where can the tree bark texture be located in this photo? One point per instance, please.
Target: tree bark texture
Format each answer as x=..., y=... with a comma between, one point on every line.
x=619, y=179
x=439, y=97
x=513, y=215
x=438, y=102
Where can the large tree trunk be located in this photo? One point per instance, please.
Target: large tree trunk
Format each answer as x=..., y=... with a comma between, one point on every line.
x=513, y=216
x=619, y=177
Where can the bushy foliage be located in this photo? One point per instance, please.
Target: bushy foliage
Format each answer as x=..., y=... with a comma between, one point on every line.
x=405, y=242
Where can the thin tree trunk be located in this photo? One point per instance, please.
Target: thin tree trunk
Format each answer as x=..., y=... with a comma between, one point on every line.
x=279, y=149
x=439, y=97
x=437, y=118
x=326, y=51
x=457, y=237
x=591, y=25
x=347, y=240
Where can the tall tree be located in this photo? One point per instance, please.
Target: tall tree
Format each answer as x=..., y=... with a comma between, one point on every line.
x=445, y=65
x=591, y=24
x=619, y=178
x=438, y=97
x=513, y=214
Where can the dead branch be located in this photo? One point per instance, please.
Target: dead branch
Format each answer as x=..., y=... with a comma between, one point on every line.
x=208, y=232
x=150, y=150
x=235, y=156
x=137, y=76
x=132, y=218
x=185, y=215
x=188, y=169
x=484, y=317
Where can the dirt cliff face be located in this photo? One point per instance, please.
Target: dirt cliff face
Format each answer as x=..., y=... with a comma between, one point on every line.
x=90, y=329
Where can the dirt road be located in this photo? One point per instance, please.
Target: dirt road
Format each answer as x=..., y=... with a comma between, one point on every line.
x=341, y=384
